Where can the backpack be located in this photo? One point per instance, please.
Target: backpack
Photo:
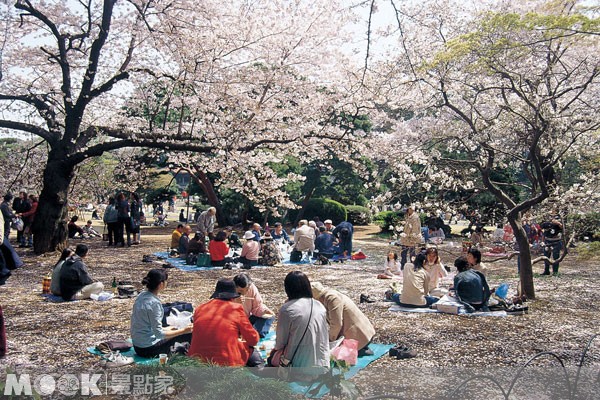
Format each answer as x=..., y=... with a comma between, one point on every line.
x=191, y=259
x=295, y=256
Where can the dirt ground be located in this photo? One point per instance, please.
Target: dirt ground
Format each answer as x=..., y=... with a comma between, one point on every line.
x=45, y=336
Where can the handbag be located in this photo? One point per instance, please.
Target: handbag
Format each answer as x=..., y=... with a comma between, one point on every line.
x=283, y=370
x=113, y=345
x=203, y=260
x=17, y=223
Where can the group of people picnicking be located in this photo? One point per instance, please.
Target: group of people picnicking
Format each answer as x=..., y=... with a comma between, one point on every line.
x=226, y=329
x=262, y=246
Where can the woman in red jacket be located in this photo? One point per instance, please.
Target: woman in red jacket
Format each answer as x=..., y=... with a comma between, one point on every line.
x=218, y=249
x=218, y=325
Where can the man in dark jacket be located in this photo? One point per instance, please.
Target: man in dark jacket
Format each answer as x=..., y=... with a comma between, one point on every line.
x=75, y=282
x=343, y=232
x=470, y=286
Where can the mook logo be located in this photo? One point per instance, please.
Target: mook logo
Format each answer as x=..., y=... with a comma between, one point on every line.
x=45, y=385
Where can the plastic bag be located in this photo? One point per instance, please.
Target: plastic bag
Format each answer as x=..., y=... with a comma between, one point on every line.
x=17, y=223
x=179, y=319
x=502, y=290
x=347, y=351
x=102, y=296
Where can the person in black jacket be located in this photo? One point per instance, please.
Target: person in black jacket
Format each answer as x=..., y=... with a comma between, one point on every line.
x=75, y=281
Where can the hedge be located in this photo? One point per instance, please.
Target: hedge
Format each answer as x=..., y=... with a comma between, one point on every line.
x=359, y=215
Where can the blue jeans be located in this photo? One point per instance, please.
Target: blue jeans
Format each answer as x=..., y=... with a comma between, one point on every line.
x=429, y=299
x=261, y=325
x=425, y=233
x=552, y=248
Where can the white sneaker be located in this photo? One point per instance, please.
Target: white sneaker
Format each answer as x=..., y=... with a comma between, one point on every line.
x=116, y=359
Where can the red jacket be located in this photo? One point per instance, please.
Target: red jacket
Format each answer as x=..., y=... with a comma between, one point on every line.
x=217, y=326
x=218, y=250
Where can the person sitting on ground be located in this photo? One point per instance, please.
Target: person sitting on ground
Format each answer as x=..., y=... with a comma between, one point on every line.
x=314, y=226
x=196, y=245
x=74, y=230
x=391, y=267
x=182, y=217
x=250, y=251
x=55, y=282
x=184, y=241
x=89, y=230
x=261, y=317
x=176, y=235
x=75, y=281
x=218, y=250
x=474, y=259
x=345, y=318
x=415, y=286
x=233, y=239
x=148, y=336
x=324, y=243
x=434, y=267
x=498, y=235
x=343, y=232
x=256, y=230
x=436, y=235
x=270, y=254
x=218, y=326
x=95, y=214
x=302, y=336
x=280, y=234
x=304, y=237
x=329, y=225
x=470, y=286
x=477, y=236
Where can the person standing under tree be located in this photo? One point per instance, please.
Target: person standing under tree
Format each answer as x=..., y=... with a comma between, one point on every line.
x=552, y=243
x=411, y=236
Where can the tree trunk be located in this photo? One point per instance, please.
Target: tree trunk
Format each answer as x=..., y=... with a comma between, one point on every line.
x=50, y=221
x=213, y=199
x=526, y=273
x=304, y=204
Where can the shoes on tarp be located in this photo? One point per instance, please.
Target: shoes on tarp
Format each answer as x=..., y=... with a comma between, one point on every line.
x=116, y=359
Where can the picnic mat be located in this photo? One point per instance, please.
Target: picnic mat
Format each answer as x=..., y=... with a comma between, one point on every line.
x=302, y=388
x=179, y=263
x=131, y=353
x=379, y=350
x=49, y=297
x=449, y=301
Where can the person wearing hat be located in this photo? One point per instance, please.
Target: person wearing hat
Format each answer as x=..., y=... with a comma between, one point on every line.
x=344, y=318
x=148, y=336
x=329, y=225
x=218, y=324
x=271, y=255
x=250, y=251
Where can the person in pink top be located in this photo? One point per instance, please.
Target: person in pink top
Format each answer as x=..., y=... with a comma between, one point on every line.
x=250, y=251
x=261, y=317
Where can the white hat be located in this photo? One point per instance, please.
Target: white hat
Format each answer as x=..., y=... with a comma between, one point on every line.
x=327, y=221
x=248, y=235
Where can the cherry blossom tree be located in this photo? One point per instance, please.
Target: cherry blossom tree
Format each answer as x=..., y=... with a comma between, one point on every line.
x=515, y=86
x=221, y=79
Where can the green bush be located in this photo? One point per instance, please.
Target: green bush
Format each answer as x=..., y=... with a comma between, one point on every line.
x=324, y=209
x=386, y=218
x=359, y=215
x=588, y=251
x=586, y=226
